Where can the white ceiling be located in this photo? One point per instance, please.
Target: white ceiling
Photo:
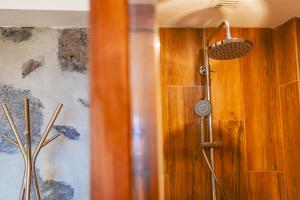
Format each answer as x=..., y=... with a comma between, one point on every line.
x=44, y=13
x=248, y=13
x=170, y=13
x=68, y=5
x=43, y=18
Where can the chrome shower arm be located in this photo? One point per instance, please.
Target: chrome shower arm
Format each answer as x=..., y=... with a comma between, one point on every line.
x=208, y=39
x=218, y=29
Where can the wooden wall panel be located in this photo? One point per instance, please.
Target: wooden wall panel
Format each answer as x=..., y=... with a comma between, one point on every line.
x=226, y=84
x=231, y=159
x=180, y=55
x=285, y=37
x=246, y=100
x=298, y=45
x=180, y=58
x=188, y=175
x=290, y=111
x=110, y=106
x=266, y=186
x=261, y=96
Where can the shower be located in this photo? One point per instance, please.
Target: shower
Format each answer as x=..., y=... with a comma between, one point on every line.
x=229, y=48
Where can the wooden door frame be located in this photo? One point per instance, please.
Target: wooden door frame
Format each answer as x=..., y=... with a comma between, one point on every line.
x=118, y=172
x=110, y=101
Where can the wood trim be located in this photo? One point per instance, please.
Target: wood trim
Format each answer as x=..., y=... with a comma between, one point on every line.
x=110, y=105
x=144, y=76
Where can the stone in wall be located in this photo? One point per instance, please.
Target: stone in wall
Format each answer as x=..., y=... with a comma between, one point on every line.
x=31, y=65
x=56, y=190
x=16, y=34
x=84, y=102
x=72, y=50
x=13, y=97
x=53, y=190
x=68, y=131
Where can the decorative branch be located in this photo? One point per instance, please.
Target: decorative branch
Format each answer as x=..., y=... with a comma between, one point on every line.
x=51, y=139
x=29, y=159
x=40, y=145
x=28, y=138
x=5, y=137
x=10, y=140
x=14, y=128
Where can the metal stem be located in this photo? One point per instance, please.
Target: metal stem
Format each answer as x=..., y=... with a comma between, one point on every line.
x=10, y=140
x=40, y=145
x=30, y=160
x=208, y=93
x=14, y=128
x=28, y=138
x=51, y=139
x=19, y=144
x=22, y=191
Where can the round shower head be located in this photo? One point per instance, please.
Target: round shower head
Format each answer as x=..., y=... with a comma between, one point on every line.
x=203, y=108
x=229, y=48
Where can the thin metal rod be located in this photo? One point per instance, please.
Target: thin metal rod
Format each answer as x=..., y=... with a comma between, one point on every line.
x=207, y=161
x=208, y=93
x=46, y=132
x=22, y=191
x=26, y=116
x=10, y=140
x=13, y=127
x=28, y=138
x=51, y=139
x=40, y=145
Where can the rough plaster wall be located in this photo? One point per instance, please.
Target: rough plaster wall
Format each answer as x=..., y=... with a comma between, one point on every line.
x=31, y=66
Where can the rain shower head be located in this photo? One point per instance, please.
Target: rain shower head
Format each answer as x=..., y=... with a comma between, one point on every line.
x=230, y=48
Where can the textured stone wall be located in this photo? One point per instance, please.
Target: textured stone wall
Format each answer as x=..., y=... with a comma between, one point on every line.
x=49, y=66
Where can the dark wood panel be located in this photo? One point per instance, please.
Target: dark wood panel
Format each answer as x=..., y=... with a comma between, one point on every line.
x=266, y=186
x=231, y=160
x=110, y=106
x=298, y=44
x=286, y=50
x=226, y=84
x=180, y=55
x=180, y=59
x=290, y=112
x=261, y=97
x=187, y=175
x=245, y=92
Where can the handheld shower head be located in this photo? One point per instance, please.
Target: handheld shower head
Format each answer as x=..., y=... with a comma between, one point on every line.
x=203, y=108
x=229, y=48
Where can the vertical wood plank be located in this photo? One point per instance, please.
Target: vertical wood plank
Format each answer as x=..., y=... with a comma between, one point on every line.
x=266, y=186
x=290, y=113
x=261, y=97
x=286, y=45
x=231, y=159
x=297, y=19
x=188, y=174
x=180, y=54
x=226, y=84
x=110, y=107
x=144, y=82
x=180, y=60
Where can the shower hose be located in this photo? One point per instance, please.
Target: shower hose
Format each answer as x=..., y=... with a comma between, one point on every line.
x=208, y=163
